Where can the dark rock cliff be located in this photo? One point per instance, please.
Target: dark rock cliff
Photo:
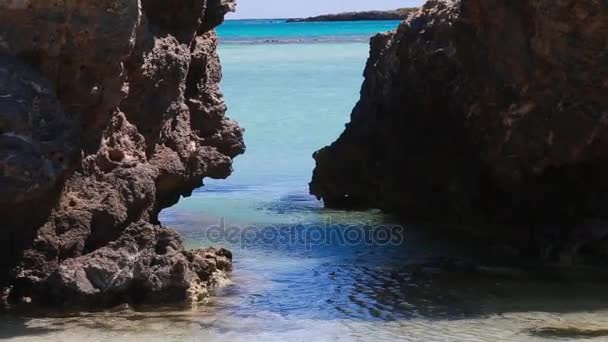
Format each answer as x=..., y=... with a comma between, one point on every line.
x=110, y=110
x=484, y=111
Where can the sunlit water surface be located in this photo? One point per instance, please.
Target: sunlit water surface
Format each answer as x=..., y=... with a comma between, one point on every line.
x=305, y=273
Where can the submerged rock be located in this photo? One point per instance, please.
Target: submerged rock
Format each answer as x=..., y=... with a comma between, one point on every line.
x=482, y=112
x=109, y=112
x=568, y=332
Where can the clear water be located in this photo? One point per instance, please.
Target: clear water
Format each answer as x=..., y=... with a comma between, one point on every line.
x=292, y=100
x=305, y=273
x=261, y=31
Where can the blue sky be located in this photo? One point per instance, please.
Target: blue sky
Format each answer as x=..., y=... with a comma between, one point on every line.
x=306, y=8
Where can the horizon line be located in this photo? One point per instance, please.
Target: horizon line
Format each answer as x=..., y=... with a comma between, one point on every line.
x=287, y=18
x=284, y=18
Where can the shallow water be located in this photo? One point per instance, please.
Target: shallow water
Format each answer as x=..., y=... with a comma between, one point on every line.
x=303, y=272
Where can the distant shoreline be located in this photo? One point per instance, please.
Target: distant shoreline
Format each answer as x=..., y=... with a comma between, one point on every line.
x=398, y=14
x=292, y=20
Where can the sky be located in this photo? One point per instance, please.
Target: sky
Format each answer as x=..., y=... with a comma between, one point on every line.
x=254, y=9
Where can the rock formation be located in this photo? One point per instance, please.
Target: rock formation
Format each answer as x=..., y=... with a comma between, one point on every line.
x=484, y=111
x=110, y=110
x=398, y=14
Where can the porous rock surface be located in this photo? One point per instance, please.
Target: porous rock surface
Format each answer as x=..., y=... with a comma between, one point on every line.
x=110, y=110
x=484, y=111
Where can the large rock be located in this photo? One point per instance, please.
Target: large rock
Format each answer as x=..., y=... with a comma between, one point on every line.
x=146, y=263
x=110, y=111
x=491, y=111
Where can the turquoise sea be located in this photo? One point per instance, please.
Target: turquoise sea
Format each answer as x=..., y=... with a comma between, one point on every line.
x=305, y=273
x=278, y=30
x=292, y=87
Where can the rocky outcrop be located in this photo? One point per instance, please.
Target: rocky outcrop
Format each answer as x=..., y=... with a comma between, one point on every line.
x=398, y=14
x=146, y=263
x=488, y=111
x=110, y=111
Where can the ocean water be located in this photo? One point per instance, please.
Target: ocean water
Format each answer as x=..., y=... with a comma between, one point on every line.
x=265, y=31
x=292, y=100
x=306, y=273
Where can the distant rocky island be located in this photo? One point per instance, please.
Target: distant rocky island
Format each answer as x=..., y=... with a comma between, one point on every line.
x=398, y=14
